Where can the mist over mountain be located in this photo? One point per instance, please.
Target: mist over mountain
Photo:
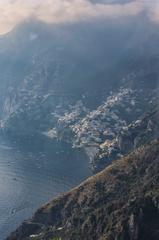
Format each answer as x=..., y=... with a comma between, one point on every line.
x=86, y=76
x=86, y=57
x=47, y=69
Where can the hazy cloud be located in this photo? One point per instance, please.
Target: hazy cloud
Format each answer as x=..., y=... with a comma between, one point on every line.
x=153, y=10
x=59, y=11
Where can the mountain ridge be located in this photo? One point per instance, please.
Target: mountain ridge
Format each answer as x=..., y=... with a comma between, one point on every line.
x=117, y=203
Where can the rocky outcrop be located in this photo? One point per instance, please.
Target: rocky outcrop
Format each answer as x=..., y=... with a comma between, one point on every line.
x=121, y=202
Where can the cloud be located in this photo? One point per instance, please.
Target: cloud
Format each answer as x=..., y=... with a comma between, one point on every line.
x=60, y=11
x=153, y=11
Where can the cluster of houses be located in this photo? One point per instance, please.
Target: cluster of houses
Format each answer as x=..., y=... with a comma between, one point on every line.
x=97, y=131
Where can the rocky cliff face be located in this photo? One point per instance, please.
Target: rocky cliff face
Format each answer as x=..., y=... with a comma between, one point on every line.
x=122, y=202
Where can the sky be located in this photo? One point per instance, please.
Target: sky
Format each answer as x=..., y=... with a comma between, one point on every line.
x=14, y=12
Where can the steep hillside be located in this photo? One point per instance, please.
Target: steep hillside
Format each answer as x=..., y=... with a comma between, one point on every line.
x=57, y=66
x=128, y=138
x=67, y=83
x=121, y=203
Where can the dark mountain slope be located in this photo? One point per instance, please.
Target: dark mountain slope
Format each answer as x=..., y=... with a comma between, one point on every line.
x=66, y=63
x=57, y=66
x=121, y=202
